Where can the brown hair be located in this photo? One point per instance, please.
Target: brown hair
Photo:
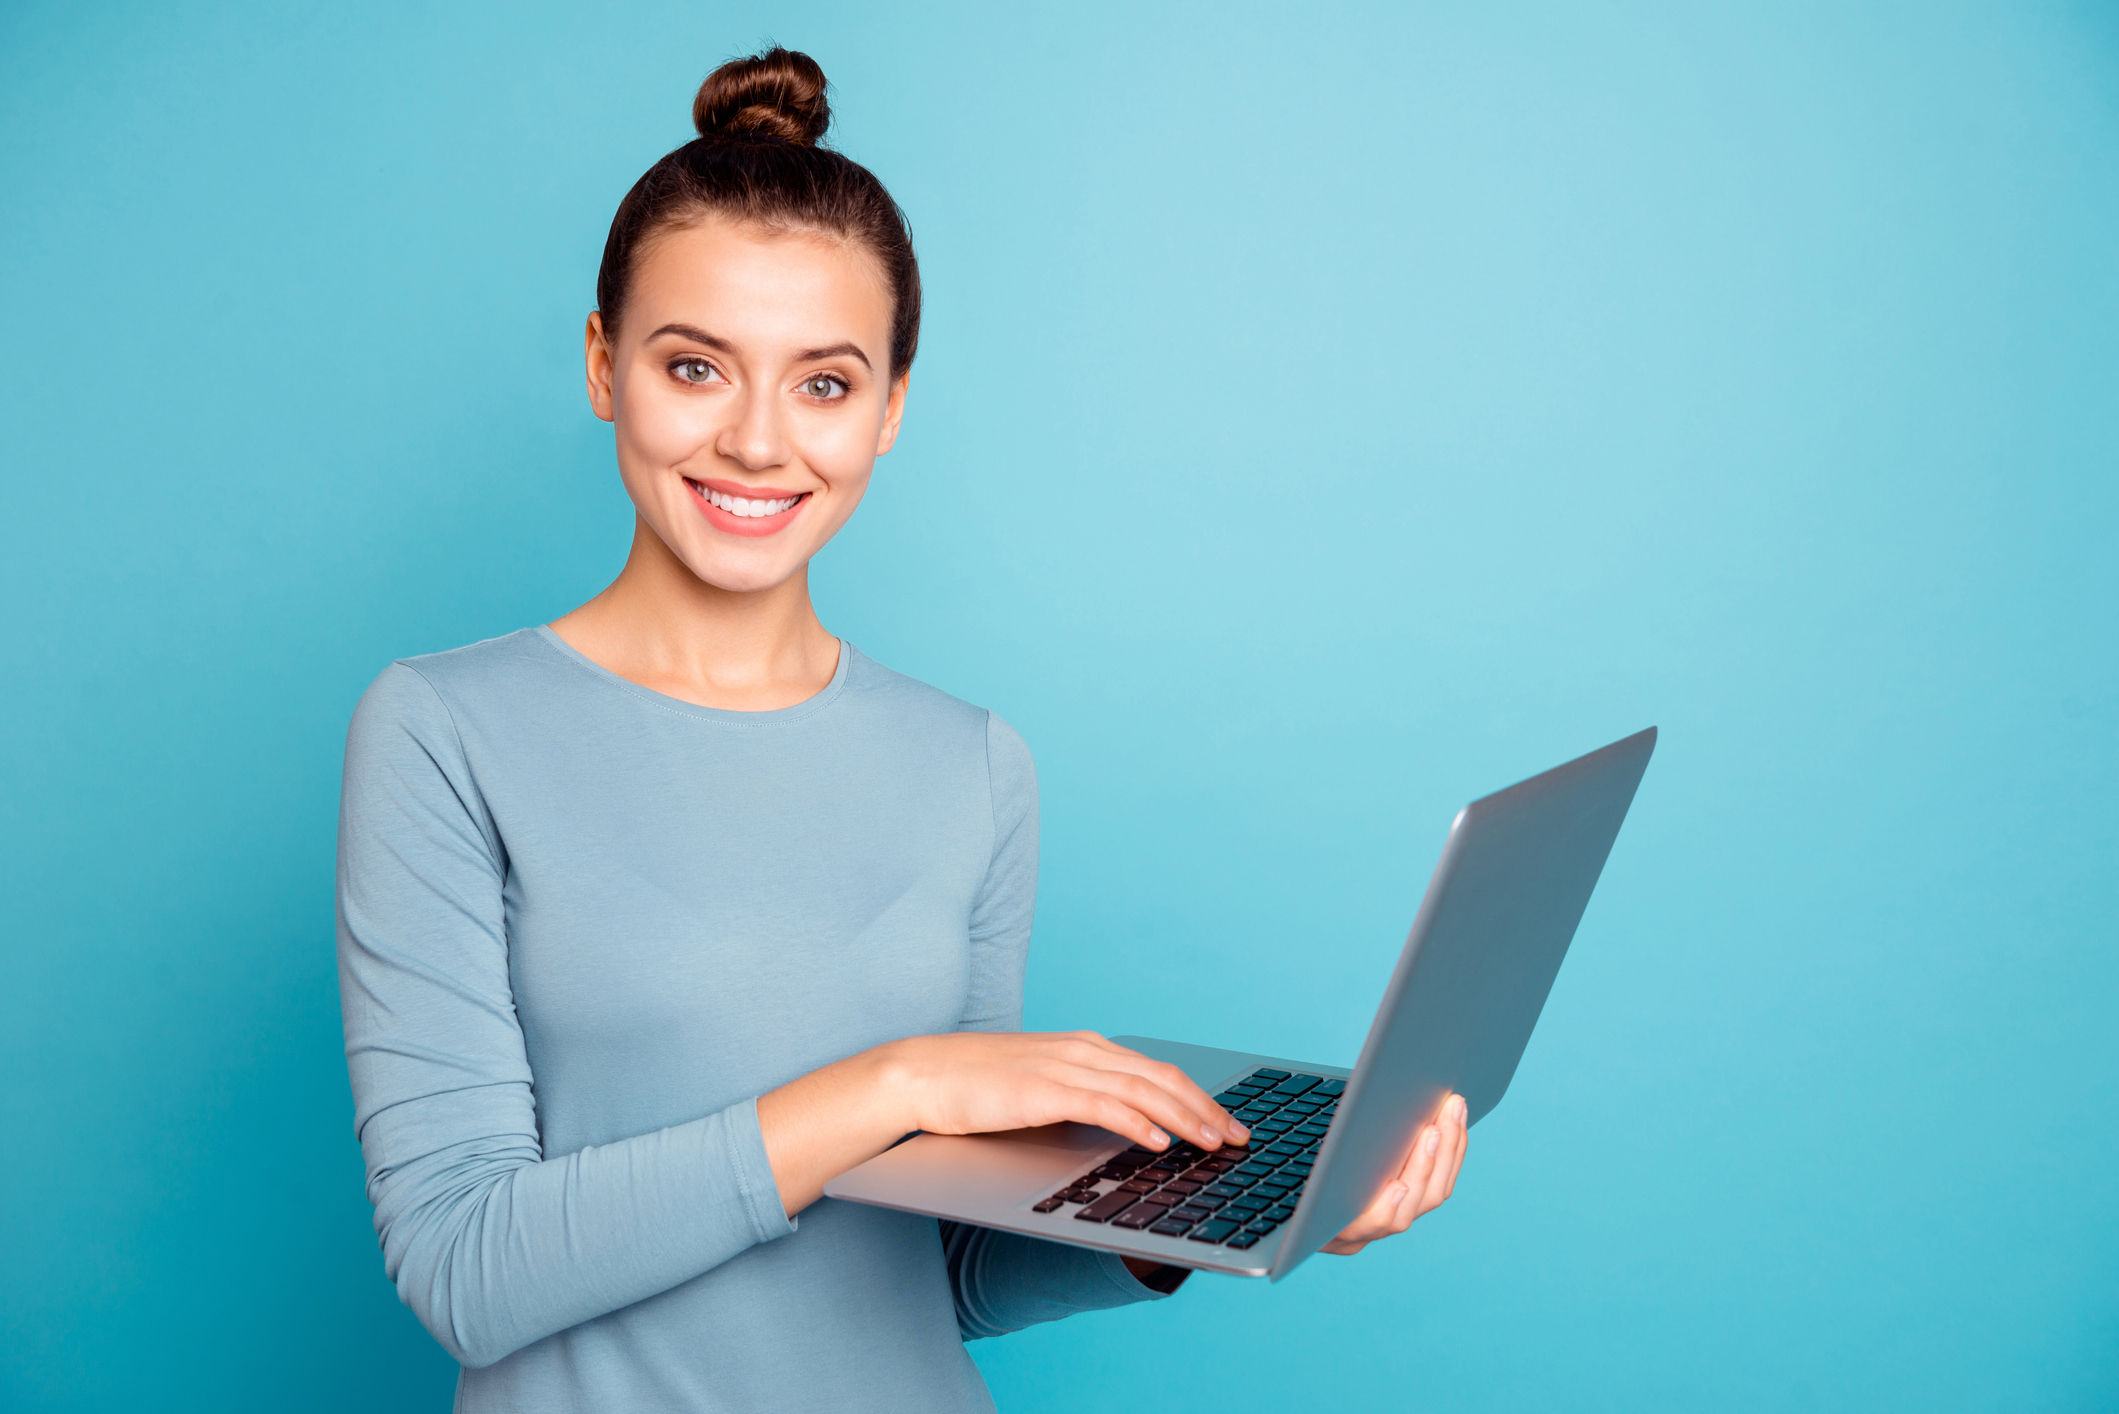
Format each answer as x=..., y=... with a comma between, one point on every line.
x=757, y=159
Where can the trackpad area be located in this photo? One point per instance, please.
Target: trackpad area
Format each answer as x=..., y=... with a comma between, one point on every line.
x=1075, y=1138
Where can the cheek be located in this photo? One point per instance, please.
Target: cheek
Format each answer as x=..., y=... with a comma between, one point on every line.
x=841, y=449
x=660, y=426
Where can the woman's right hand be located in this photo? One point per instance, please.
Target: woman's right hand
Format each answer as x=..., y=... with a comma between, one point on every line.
x=976, y=1082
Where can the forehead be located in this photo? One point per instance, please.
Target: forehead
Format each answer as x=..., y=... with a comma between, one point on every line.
x=751, y=283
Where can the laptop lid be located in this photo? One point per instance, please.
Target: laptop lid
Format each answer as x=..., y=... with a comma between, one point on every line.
x=1500, y=910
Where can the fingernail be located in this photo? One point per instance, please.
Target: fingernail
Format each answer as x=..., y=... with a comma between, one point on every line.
x=1159, y=1139
x=1397, y=1194
x=1428, y=1144
x=1464, y=1110
x=1210, y=1135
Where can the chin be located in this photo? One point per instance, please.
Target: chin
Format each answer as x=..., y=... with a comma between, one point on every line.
x=739, y=578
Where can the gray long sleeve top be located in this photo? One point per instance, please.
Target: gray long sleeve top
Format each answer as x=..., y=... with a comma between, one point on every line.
x=582, y=926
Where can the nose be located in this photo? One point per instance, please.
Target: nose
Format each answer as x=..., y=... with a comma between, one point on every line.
x=755, y=438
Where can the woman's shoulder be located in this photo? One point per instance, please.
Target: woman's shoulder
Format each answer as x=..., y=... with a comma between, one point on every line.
x=890, y=690
x=927, y=709
x=421, y=689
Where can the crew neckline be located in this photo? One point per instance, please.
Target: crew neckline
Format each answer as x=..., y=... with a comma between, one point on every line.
x=770, y=717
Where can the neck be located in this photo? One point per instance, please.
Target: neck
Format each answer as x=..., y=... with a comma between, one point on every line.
x=663, y=627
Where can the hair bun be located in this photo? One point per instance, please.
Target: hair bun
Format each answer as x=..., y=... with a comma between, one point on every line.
x=779, y=93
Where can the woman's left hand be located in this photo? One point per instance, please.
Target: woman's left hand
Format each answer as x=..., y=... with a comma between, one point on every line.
x=1429, y=1174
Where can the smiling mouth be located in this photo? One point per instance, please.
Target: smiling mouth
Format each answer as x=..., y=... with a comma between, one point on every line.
x=744, y=507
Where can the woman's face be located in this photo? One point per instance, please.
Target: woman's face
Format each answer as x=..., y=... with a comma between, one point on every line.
x=749, y=388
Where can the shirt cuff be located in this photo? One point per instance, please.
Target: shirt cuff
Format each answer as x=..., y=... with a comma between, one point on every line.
x=1163, y=1281
x=753, y=1170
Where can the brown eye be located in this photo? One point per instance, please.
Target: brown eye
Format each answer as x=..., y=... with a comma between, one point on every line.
x=823, y=385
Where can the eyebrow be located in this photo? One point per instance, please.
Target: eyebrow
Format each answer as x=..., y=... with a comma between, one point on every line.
x=699, y=336
x=834, y=351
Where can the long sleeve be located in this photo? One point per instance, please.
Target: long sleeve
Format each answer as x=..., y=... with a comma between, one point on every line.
x=1005, y=1281
x=492, y=1244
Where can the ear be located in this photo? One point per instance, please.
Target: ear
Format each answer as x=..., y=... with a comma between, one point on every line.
x=893, y=414
x=602, y=366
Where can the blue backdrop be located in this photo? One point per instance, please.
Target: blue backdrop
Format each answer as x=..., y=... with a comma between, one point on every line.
x=1325, y=414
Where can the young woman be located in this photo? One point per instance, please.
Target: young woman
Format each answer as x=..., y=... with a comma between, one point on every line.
x=655, y=918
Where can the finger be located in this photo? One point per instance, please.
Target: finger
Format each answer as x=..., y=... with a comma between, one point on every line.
x=1100, y=1107
x=1091, y=1051
x=1456, y=1154
x=1394, y=1208
x=1149, y=1099
x=1420, y=1169
x=1110, y=1055
x=1379, y=1219
x=1427, y=1192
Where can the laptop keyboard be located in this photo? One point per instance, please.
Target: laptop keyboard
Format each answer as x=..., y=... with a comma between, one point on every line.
x=1230, y=1197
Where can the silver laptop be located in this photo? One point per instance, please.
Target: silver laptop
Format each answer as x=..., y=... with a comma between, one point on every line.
x=1502, y=906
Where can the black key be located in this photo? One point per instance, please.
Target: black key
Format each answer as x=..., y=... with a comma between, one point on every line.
x=1171, y=1227
x=1217, y=1164
x=1066, y=1195
x=1230, y=1099
x=1286, y=1150
x=1181, y=1185
x=1296, y=1084
x=1187, y=1212
x=1046, y=1205
x=1202, y=1200
x=1281, y=1214
x=1224, y=1190
x=1297, y=1170
x=1272, y=1190
x=1263, y=1074
x=1139, y=1216
x=1106, y=1208
x=1331, y=1087
x=1312, y=1131
x=1214, y=1231
x=1253, y=1170
x=1114, y=1171
x=1262, y=1226
x=1249, y=1205
x=1241, y=1239
x=1137, y=1185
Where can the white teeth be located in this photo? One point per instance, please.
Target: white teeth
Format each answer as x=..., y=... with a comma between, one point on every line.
x=745, y=507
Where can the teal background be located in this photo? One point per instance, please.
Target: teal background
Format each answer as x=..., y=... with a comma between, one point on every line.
x=1325, y=414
